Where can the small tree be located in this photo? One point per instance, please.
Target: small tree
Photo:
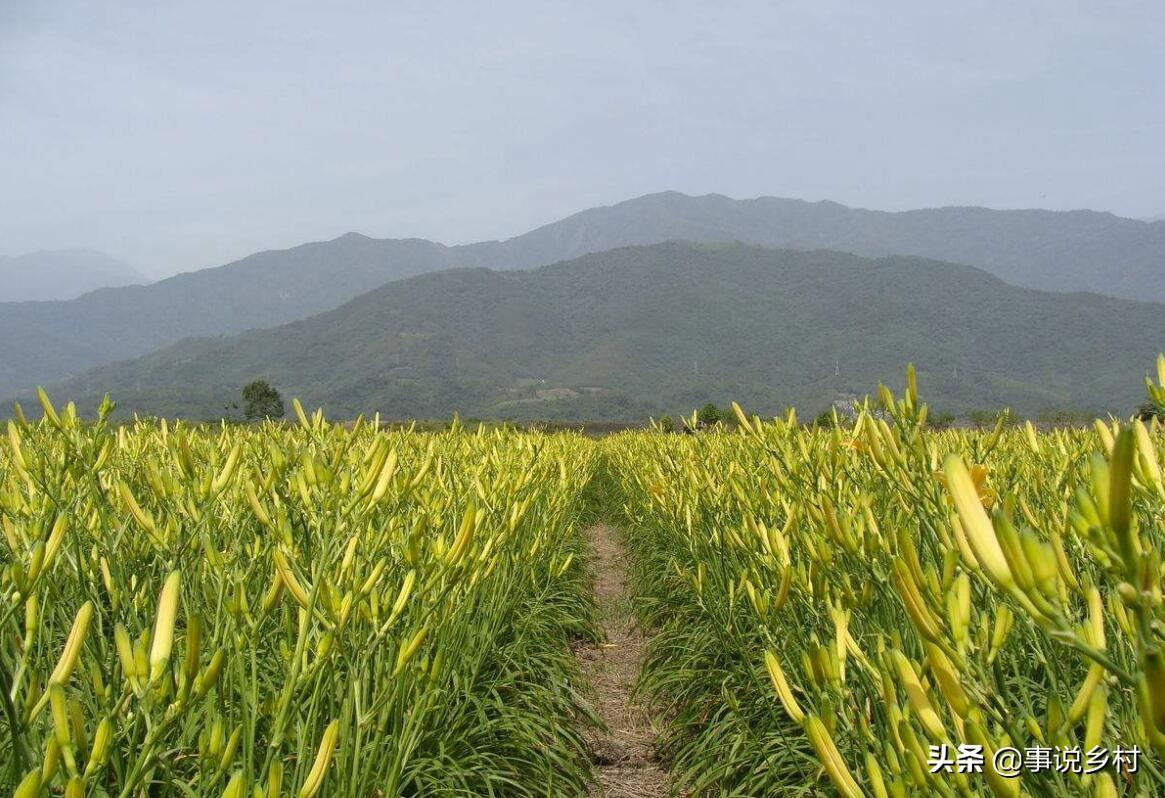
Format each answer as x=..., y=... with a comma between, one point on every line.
x=1151, y=410
x=260, y=400
x=824, y=419
x=943, y=421
x=981, y=418
x=709, y=414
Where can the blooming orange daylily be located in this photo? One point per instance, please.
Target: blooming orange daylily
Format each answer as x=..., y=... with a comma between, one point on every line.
x=986, y=494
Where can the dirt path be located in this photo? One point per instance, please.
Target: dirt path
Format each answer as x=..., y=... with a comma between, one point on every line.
x=623, y=757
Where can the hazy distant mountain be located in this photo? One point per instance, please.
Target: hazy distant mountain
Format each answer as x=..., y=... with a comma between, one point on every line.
x=640, y=330
x=61, y=274
x=1049, y=250
x=47, y=341
x=1158, y=218
x=1062, y=251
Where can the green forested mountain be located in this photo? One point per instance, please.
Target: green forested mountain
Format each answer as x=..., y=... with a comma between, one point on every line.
x=664, y=328
x=1082, y=250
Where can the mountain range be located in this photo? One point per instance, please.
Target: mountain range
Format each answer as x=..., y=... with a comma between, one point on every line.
x=62, y=274
x=1054, y=251
x=641, y=330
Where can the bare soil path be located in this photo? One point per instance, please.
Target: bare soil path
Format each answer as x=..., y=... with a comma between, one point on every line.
x=624, y=757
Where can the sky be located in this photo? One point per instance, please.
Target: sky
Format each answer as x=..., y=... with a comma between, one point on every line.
x=181, y=135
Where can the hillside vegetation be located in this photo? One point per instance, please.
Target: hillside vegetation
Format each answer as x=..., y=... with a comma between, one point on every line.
x=639, y=330
x=1052, y=251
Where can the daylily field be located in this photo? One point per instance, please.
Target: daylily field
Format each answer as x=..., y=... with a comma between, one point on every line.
x=322, y=609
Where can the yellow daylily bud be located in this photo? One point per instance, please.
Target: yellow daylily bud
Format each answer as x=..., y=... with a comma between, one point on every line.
x=948, y=680
x=976, y=524
x=73, y=644
x=402, y=597
x=1002, y=786
x=30, y=785
x=301, y=596
x=163, y=639
x=408, y=650
x=47, y=406
x=781, y=685
x=827, y=753
x=237, y=786
x=319, y=769
x=99, y=753
x=916, y=695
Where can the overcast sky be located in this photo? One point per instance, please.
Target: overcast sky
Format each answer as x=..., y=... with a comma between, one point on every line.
x=181, y=135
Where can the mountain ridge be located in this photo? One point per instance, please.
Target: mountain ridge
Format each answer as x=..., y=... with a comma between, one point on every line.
x=599, y=337
x=1043, y=249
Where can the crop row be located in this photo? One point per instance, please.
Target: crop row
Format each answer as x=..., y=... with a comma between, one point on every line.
x=832, y=606
x=304, y=610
